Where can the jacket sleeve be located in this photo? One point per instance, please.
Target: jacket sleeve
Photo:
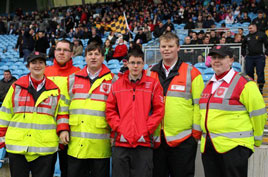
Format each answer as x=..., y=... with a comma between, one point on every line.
x=197, y=89
x=112, y=114
x=252, y=99
x=6, y=113
x=158, y=108
x=63, y=108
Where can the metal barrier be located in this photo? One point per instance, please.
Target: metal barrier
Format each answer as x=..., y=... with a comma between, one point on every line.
x=189, y=53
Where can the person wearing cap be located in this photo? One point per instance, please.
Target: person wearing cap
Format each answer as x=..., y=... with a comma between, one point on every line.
x=176, y=138
x=28, y=126
x=134, y=109
x=124, y=67
x=58, y=73
x=255, y=55
x=233, y=116
x=140, y=36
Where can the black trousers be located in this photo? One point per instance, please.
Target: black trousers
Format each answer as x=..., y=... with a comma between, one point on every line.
x=132, y=162
x=63, y=158
x=88, y=167
x=233, y=163
x=175, y=161
x=43, y=166
x=259, y=63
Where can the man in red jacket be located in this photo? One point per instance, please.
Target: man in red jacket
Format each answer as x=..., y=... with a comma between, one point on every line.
x=134, y=109
x=58, y=73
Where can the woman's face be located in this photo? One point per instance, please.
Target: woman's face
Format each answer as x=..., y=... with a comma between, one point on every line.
x=107, y=43
x=221, y=64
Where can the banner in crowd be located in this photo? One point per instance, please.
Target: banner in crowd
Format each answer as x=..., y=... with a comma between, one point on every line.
x=120, y=25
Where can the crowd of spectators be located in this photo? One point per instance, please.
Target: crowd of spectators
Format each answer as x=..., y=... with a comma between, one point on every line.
x=146, y=20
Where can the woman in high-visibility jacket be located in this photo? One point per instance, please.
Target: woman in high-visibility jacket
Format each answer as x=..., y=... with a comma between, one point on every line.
x=233, y=116
x=28, y=125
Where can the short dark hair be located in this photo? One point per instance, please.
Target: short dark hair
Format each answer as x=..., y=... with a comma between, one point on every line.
x=7, y=71
x=65, y=41
x=94, y=46
x=136, y=52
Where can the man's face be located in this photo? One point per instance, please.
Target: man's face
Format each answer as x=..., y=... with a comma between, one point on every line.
x=135, y=66
x=7, y=76
x=169, y=49
x=63, y=53
x=94, y=60
x=252, y=29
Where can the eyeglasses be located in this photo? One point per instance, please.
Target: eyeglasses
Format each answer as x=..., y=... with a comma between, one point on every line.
x=64, y=50
x=136, y=63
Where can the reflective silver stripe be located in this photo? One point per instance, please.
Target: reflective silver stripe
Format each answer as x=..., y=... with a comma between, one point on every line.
x=90, y=135
x=16, y=96
x=157, y=139
x=31, y=149
x=223, y=107
x=63, y=98
x=4, y=122
x=179, y=94
x=2, y=139
x=141, y=140
x=179, y=136
x=230, y=90
x=71, y=84
x=87, y=112
x=90, y=96
x=33, y=109
x=6, y=110
x=63, y=109
x=122, y=139
x=244, y=134
x=32, y=126
x=115, y=78
x=196, y=101
x=257, y=138
x=63, y=120
x=196, y=127
x=258, y=112
x=188, y=79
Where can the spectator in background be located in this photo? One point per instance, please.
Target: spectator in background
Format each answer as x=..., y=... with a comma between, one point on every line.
x=12, y=30
x=229, y=19
x=208, y=22
x=19, y=43
x=199, y=22
x=190, y=24
x=140, y=36
x=41, y=44
x=229, y=37
x=260, y=21
x=241, y=32
x=5, y=84
x=108, y=50
x=222, y=40
x=246, y=18
x=238, y=19
x=86, y=33
x=27, y=43
x=120, y=50
x=148, y=34
x=112, y=37
x=170, y=24
x=200, y=37
x=159, y=30
x=3, y=29
x=124, y=67
x=206, y=40
x=194, y=39
x=213, y=38
x=77, y=48
x=94, y=37
x=237, y=38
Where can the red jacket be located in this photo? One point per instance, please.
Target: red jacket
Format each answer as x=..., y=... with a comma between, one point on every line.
x=57, y=70
x=120, y=51
x=134, y=111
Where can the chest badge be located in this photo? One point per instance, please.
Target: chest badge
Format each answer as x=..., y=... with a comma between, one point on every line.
x=178, y=87
x=105, y=87
x=220, y=92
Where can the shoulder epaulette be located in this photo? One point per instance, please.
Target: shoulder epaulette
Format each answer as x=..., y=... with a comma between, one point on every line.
x=246, y=76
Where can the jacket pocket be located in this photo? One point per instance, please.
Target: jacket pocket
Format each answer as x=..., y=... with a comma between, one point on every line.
x=74, y=121
x=101, y=123
x=13, y=134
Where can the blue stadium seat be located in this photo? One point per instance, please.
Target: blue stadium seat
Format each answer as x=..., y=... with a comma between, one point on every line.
x=145, y=66
x=200, y=65
x=113, y=66
x=2, y=155
x=115, y=71
x=105, y=62
x=113, y=61
x=206, y=77
x=209, y=71
x=236, y=66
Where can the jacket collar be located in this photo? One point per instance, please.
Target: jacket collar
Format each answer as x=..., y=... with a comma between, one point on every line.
x=159, y=67
x=69, y=64
x=126, y=76
x=84, y=73
x=25, y=83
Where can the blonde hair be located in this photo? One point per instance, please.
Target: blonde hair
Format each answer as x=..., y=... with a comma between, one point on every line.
x=170, y=36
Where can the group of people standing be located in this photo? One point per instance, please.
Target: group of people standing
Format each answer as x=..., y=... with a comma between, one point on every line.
x=148, y=121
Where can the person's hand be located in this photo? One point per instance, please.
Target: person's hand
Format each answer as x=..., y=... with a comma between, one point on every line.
x=64, y=137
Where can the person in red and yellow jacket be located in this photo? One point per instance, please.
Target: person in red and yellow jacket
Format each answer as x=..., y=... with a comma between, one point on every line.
x=58, y=73
x=233, y=116
x=134, y=109
x=88, y=140
x=28, y=124
x=176, y=138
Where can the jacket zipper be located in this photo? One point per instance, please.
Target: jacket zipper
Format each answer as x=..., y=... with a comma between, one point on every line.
x=207, y=108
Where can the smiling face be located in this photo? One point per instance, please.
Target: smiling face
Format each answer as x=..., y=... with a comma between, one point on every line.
x=221, y=64
x=63, y=53
x=169, y=50
x=94, y=60
x=37, y=68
